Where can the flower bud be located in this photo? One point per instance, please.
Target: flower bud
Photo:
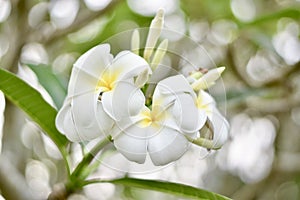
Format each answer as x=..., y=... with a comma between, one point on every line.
x=208, y=79
x=154, y=33
x=159, y=54
x=135, y=42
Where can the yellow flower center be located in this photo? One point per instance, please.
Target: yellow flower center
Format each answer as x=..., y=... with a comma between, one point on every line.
x=202, y=106
x=107, y=81
x=147, y=121
x=151, y=117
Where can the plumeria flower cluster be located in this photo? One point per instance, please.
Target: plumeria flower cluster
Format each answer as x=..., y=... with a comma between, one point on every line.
x=106, y=97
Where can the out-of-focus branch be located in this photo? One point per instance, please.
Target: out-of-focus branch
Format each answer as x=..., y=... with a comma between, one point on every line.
x=274, y=82
x=292, y=69
x=17, y=28
x=234, y=67
x=81, y=21
x=12, y=184
x=293, y=13
x=282, y=171
x=288, y=162
x=281, y=102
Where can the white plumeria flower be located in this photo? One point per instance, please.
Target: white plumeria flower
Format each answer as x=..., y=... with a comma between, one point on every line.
x=96, y=78
x=218, y=124
x=158, y=130
x=218, y=128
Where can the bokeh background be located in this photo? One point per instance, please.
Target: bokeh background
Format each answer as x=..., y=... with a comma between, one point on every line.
x=257, y=41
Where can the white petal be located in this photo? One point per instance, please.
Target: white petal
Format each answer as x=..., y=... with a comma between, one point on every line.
x=126, y=123
x=220, y=128
x=95, y=61
x=84, y=108
x=132, y=143
x=167, y=91
x=170, y=123
x=189, y=117
x=163, y=101
x=206, y=102
x=163, y=105
x=81, y=83
x=99, y=126
x=176, y=89
x=88, y=69
x=61, y=115
x=124, y=101
x=206, y=98
x=78, y=122
x=69, y=128
x=166, y=146
x=105, y=123
x=175, y=84
x=65, y=124
x=128, y=65
x=86, y=111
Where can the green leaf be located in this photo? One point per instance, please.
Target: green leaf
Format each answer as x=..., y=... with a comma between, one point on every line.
x=51, y=82
x=166, y=187
x=33, y=104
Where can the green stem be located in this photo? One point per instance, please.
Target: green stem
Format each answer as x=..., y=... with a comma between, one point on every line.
x=66, y=158
x=206, y=143
x=80, y=173
x=90, y=156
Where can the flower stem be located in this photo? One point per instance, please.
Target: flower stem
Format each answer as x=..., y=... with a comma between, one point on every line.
x=79, y=175
x=89, y=156
x=206, y=143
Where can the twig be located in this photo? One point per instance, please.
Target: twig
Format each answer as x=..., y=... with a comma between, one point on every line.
x=81, y=22
x=12, y=184
x=234, y=67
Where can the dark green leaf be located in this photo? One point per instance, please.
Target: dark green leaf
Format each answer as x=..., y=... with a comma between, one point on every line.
x=33, y=104
x=51, y=82
x=167, y=187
